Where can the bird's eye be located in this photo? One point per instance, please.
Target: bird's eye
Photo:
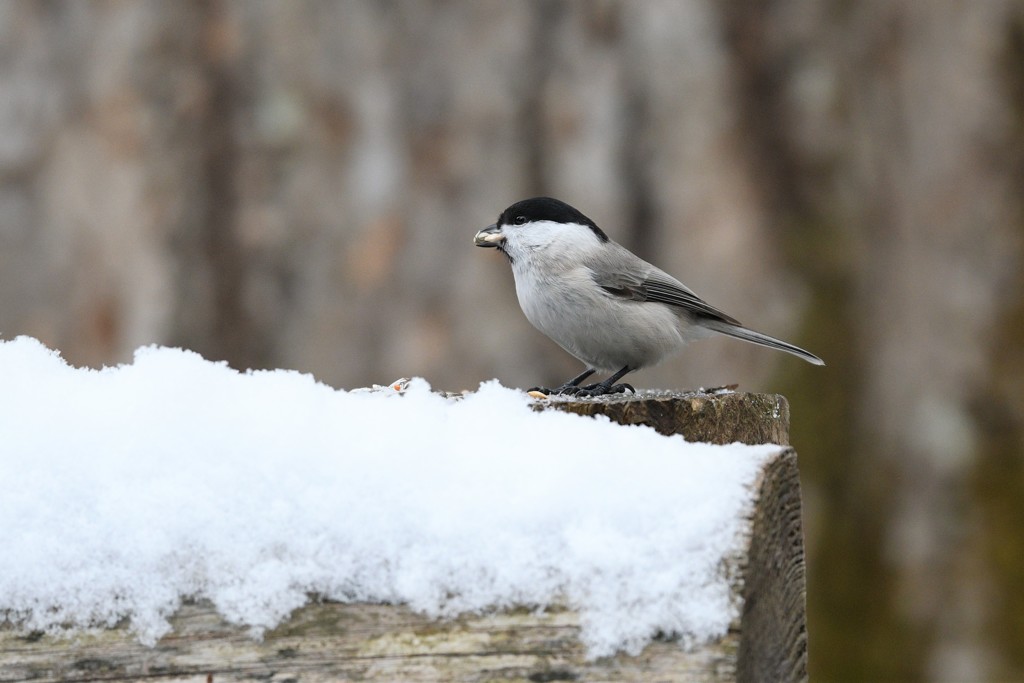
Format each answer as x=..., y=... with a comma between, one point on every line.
x=519, y=220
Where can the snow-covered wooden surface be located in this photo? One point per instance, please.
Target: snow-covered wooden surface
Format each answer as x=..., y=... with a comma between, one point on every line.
x=331, y=641
x=324, y=642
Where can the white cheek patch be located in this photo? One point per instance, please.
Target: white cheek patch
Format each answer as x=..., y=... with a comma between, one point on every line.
x=542, y=234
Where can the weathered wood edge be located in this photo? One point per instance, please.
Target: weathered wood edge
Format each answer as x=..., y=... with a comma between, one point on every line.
x=712, y=417
x=328, y=642
x=773, y=645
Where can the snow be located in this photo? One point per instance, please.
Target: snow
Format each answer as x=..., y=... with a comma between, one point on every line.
x=126, y=489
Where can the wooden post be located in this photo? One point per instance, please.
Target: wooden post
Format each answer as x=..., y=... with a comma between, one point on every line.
x=326, y=641
x=725, y=417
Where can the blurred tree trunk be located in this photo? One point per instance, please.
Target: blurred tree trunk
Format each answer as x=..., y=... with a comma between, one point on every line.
x=889, y=156
x=296, y=184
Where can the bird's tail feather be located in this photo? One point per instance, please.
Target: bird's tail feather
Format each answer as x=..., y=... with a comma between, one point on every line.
x=758, y=338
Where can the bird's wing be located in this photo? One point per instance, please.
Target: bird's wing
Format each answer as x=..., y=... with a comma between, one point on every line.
x=657, y=286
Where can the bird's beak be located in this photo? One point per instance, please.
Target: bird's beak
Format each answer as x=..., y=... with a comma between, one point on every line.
x=491, y=236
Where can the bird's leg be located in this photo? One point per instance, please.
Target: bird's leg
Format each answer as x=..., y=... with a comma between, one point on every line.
x=608, y=386
x=569, y=387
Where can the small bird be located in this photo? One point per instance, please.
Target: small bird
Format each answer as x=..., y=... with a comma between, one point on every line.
x=599, y=301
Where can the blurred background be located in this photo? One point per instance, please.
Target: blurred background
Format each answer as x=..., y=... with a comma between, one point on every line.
x=297, y=184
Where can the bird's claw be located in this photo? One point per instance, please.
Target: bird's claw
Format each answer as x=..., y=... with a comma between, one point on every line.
x=564, y=390
x=588, y=391
x=593, y=390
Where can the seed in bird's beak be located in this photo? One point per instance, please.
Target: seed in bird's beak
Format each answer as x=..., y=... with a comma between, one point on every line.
x=491, y=236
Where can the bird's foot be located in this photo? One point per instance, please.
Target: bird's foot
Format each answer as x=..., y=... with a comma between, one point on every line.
x=573, y=388
x=602, y=389
x=566, y=389
x=589, y=391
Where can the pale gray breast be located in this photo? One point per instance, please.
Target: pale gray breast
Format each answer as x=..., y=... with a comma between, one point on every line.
x=601, y=330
